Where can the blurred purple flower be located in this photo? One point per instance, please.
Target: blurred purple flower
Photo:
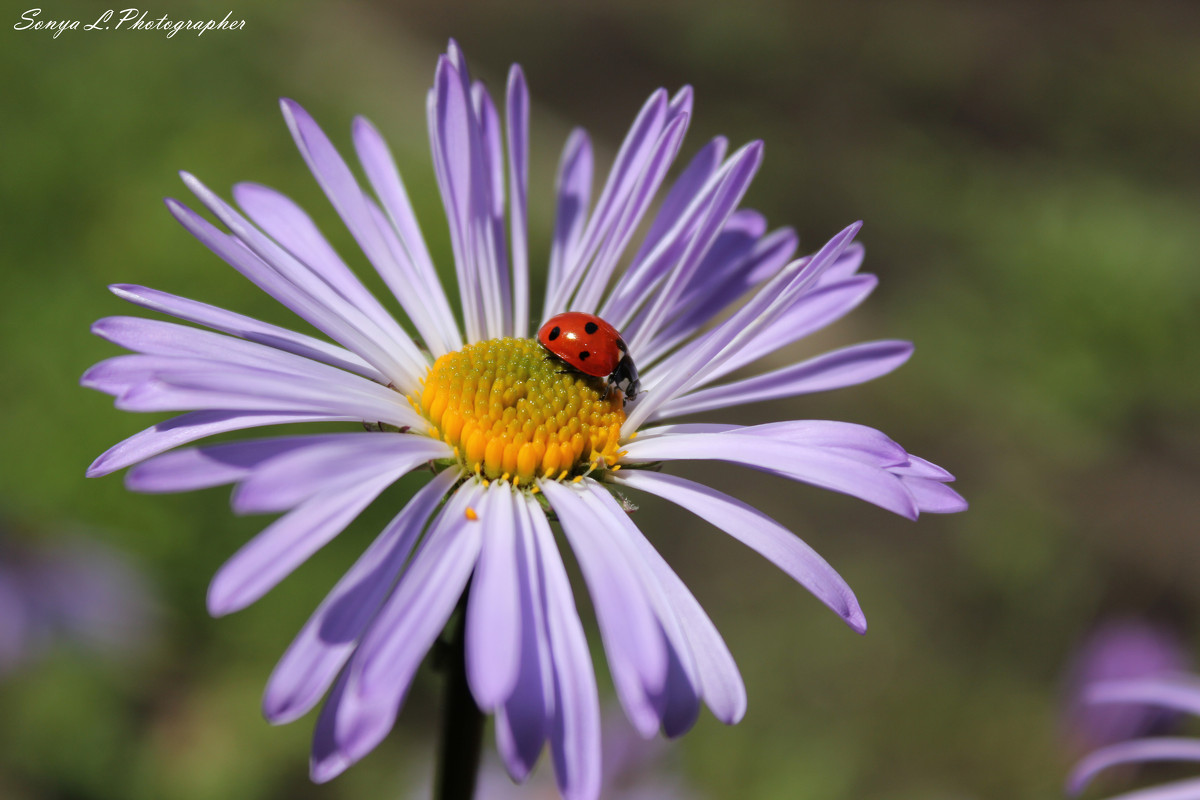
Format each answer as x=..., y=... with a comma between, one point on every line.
x=73, y=593
x=513, y=440
x=1178, y=694
x=1118, y=649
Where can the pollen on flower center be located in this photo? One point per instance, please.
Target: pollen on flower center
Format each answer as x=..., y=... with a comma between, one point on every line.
x=509, y=409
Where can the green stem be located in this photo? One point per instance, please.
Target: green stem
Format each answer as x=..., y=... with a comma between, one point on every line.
x=462, y=721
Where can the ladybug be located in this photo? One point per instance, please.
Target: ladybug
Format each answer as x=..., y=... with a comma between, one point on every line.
x=592, y=346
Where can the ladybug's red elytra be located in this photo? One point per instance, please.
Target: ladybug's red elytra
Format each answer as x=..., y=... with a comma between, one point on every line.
x=592, y=346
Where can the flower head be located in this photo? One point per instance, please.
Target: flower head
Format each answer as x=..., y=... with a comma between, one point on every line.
x=73, y=592
x=514, y=437
x=1178, y=693
x=1119, y=649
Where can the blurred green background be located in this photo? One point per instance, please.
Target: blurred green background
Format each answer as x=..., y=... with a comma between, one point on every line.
x=1029, y=175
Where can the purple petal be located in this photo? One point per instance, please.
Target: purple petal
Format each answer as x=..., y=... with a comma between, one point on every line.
x=192, y=384
x=934, y=497
x=456, y=152
x=517, y=118
x=188, y=428
x=327, y=761
x=735, y=264
x=735, y=178
x=215, y=464
x=285, y=222
x=859, y=440
x=291, y=282
x=846, y=265
x=344, y=193
x=1177, y=790
x=419, y=303
x=383, y=666
x=411, y=276
x=759, y=532
x=287, y=543
x=1178, y=693
x=723, y=270
x=332, y=632
x=658, y=160
x=293, y=478
x=632, y=286
x=493, y=636
x=698, y=361
x=1136, y=751
x=632, y=639
x=523, y=721
x=677, y=701
x=246, y=328
x=575, y=729
x=813, y=311
x=720, y=682
x=488, y=211
x=574, y=191
x=828, y=468
x=918, y=467
x=158, y=338
x=435, y=582
x=681, y=103
x=631, y=158
x=846, y=367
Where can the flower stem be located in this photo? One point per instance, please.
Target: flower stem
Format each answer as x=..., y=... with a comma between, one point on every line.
x=462, y=721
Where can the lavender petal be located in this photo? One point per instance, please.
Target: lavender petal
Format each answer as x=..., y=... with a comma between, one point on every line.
x=827, y=468
x=575, y=727
x=493, y=635
x=759, y=532
x=626, y=168
x=186, y=428
x=214, y=465
x=697, y=361
x=573, y=190
x=815, y=310
x=382, y=668
x=246, y=328
x=287, y=543
x=412, y=266
x=523, y=721
x=517, y=119
x=293, y=478
x=835, y=370
x=632, y=638
x=1135, y=751
x=327, y=640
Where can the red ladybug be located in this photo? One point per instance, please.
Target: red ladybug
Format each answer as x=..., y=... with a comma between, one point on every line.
x=592, y=346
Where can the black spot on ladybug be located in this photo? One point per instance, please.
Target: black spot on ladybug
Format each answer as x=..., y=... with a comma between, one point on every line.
x=591, y=327
x=554, y=334
x=584, y=355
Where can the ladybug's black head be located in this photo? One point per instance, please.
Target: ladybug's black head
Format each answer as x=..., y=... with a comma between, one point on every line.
x=625, y=377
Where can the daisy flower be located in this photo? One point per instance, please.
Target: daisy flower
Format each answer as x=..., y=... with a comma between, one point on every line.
x=1117, y=650
x=516, y=437
x=1175, y=693
x=74, y=593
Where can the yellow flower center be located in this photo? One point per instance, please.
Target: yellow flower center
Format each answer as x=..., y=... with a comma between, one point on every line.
x=510, y=411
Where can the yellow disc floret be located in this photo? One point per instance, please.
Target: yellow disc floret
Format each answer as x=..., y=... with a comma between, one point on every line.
x=510, y=411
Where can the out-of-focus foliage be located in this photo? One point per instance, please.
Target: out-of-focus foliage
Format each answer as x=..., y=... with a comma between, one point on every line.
x=1029, y=179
